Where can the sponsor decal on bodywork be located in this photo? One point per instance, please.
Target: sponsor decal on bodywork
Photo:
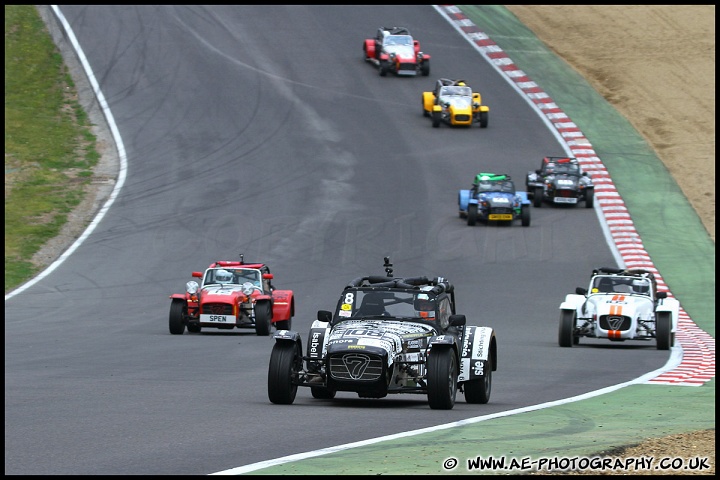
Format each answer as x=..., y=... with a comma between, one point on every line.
x=317, y=347
x=383, y=334
x=474, y=352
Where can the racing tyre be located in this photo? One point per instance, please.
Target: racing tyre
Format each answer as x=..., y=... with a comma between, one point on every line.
x=323, y=393
x=194, y=328
x=284, y=324
x=525, y=215
x=566, y=329
x=383, y=68
x=538, y=197
x=472, y=214
x=436, y=119
x=663, y=330
x=484, y=116
x=441, y=379
x=589, y=198
x=176, y=324
x=478, y=391
x=263, y=315
x=425, y=68
x=285, y=362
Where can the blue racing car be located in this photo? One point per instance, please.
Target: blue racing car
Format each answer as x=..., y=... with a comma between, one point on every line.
x=493, y=198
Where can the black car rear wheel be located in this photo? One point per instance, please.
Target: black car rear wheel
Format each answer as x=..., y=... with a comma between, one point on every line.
x=441, y=379
x=323, y=393
x=176, y=324
x=284, y=324
x=285, y=362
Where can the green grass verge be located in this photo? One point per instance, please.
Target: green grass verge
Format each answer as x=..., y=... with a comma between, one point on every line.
x=50, y=150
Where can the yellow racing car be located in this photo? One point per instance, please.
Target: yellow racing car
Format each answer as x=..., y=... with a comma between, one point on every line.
x=454, y=103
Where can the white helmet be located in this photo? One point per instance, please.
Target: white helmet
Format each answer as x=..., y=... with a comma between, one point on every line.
x=223, y=276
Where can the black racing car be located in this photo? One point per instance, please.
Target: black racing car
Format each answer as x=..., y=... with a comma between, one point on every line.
x=388, y=335
x=560, y=180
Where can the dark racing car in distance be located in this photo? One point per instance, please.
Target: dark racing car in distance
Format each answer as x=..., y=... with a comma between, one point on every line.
x=454, y=103
x=394, y=50
x=493, y=198
x=560, y=180
x=233, y=294
x=388, y=335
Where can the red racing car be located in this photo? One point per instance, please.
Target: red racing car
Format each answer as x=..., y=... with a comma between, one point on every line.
x=233, y=294
x=394, y=50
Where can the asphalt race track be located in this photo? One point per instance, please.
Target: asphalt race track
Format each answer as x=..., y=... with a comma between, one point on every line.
x=260, y=130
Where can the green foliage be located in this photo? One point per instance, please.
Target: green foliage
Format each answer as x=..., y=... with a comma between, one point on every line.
x=49, y=148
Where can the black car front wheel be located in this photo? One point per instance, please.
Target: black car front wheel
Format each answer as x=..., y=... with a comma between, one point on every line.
x=566, y=329
x=478, y=391
x=472, y=214
x=175, y=322
x=589, y=198
x=442, y=379
x=538, y=197
x=383, y=69
x=484, y=116
x=436, y=118
x=663, y=330
x=263, y=316
x=285, y=362
x=525, y=215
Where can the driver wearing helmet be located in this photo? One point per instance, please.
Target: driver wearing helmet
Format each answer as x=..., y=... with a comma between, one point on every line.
x=223, y=276
x=425, y=306
x=641, y=286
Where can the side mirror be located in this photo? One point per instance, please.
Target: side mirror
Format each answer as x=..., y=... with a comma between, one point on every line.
x=324, y=315
x=197, y=274
x=661, y=295
x=457, y=320
x=580, y=291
